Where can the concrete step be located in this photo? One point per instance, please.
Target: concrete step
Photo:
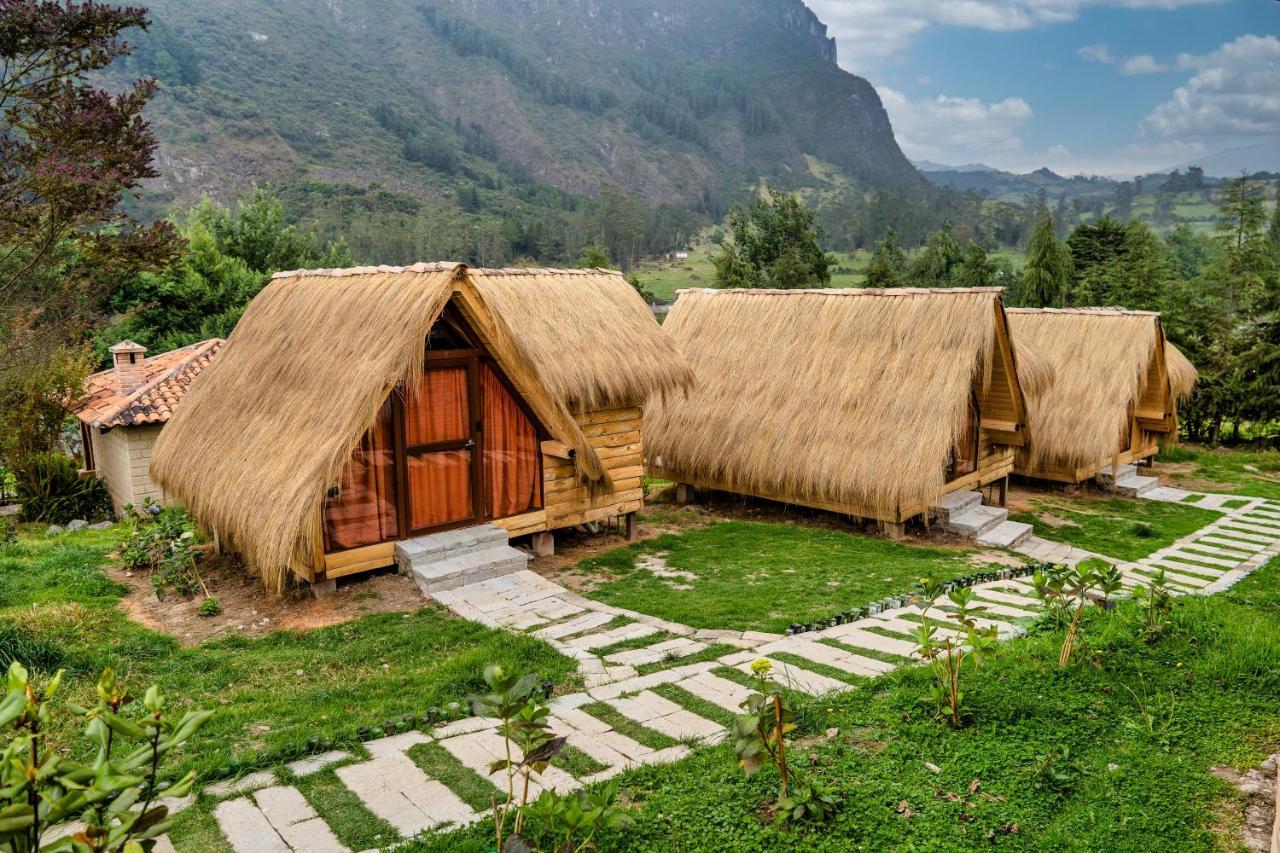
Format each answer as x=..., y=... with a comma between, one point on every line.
x=1104, y=476
x=975, y=520
x=436, y=575
x=1006, y=534
x=1128, y=481
x=450, y=543
x=954, y=503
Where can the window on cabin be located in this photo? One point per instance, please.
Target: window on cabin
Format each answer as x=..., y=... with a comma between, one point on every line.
x=361, y=509
x=512, y=452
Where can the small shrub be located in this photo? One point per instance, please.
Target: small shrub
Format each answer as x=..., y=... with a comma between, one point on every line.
x=163, y=540
x=51, y=490
x=1157, y=604
x=210, y=607
x=948, y=657
x=1142, y=530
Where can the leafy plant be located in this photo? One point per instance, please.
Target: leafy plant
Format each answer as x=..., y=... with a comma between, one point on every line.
x=1055, y=769
x=761, y=737
x=1065, y=593
x=947, y=657
x=50, y=489
x=163, y=540
x=210, y=607
x=1157, y=604
x=1156, y=715
x=579, y=814
x=117, y=797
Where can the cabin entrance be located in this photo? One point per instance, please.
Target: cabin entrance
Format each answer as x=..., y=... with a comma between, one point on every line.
x=462, y=449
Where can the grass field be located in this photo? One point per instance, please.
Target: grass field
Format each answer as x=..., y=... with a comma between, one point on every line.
x=1121, y=528
x=1112, y=753
x=1238, y=472
x=271, y=694
x=755, y=576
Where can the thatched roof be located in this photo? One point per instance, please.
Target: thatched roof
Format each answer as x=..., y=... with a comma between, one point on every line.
x=1182, y=373
x=849, y=397
x=269, y=426
x=1100, y=358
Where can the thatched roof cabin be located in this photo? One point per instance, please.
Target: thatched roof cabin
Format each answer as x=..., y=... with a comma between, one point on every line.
x=872, y=403
x=1116, y=392
x=353, y=408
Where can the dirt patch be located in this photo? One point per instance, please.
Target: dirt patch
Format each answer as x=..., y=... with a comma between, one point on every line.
x=1056, y=520
x=246, y=611
x=1253, y=815
x=999, y=558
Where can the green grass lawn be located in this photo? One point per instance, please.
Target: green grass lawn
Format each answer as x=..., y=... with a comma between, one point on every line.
x=750, y=575
x=1112, y=753
x=1122, y=528
x=1236, y=472
x=271, y=694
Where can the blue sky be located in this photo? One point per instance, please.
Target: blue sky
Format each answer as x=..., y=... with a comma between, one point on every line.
x=1096, y=86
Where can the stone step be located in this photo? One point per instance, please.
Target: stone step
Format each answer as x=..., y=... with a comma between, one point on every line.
x=396, y=790
x=662, y=715
x=1006, y=534
x=447, y=543
x=975, y=520
x=436, y=575
x=954, y=503
x=1106, y=475
x=1136, y=486
x=799, y=679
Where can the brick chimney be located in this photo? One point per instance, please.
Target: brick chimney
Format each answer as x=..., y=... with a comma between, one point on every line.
x=127, y=357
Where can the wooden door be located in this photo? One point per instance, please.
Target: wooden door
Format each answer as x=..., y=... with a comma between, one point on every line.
x=439, y=437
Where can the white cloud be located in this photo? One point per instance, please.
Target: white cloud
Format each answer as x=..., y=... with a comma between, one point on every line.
x=1235, y=92
x=1096, y=53
x=1143, y=63
x=869, y=32
x=955, y=129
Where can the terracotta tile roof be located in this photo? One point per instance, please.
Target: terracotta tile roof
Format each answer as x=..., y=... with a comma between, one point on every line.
x=166, y=379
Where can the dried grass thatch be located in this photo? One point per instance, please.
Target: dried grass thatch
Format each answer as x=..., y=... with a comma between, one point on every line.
x=589, y=340
x=1100, y=358
x=268, y=428
x=847, y=397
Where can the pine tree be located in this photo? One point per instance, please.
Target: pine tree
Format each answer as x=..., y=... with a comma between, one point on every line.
x=977, y=268
x=888, y=266
x=774, y=244
x=934, y=265
x=1046, y=277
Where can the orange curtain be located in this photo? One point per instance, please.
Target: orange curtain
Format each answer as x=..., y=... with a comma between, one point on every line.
x=364, y=510
x=439, y=411
x=439, y=487
x=511, y=453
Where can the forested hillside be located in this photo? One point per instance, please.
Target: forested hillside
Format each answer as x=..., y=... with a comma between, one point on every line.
x=488, y=130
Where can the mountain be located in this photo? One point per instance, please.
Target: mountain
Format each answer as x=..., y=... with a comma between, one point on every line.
x=486, y=111
x=930, y=166
x=1007, y=186
x=1231, y=162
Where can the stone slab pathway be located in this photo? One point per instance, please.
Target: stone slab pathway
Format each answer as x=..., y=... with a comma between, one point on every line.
x=259, y=814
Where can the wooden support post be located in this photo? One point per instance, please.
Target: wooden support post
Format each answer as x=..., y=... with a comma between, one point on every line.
x=1004, y=491
x=684, y=494
x=323, y=588
x=629, y=526
x=894, y=529
x=217, y=543
x=544, y=544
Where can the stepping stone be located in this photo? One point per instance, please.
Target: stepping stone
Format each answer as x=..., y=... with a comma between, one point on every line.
x=1234, y=544
x=1167, y=493
x=296, y=821
x=396, y=790
x=1203, y=558
x=801, y=679
x=676, y=648
x=592, y=745
x=633, y=631
x=662, y=715
x=719, y=691
x=576, y=625
x=479, y=750
x=1174, y=576
x=852, y=635
x=902, y=626
x=1225, y=529
x=657, y=756
x=998, y=607
x=1202, y=547
x=247, y=829
x=316, y=763
x=1250, y=527
x=994, y=594
x=822, y=653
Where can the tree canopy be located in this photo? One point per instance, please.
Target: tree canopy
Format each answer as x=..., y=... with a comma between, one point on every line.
x=773, y=244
